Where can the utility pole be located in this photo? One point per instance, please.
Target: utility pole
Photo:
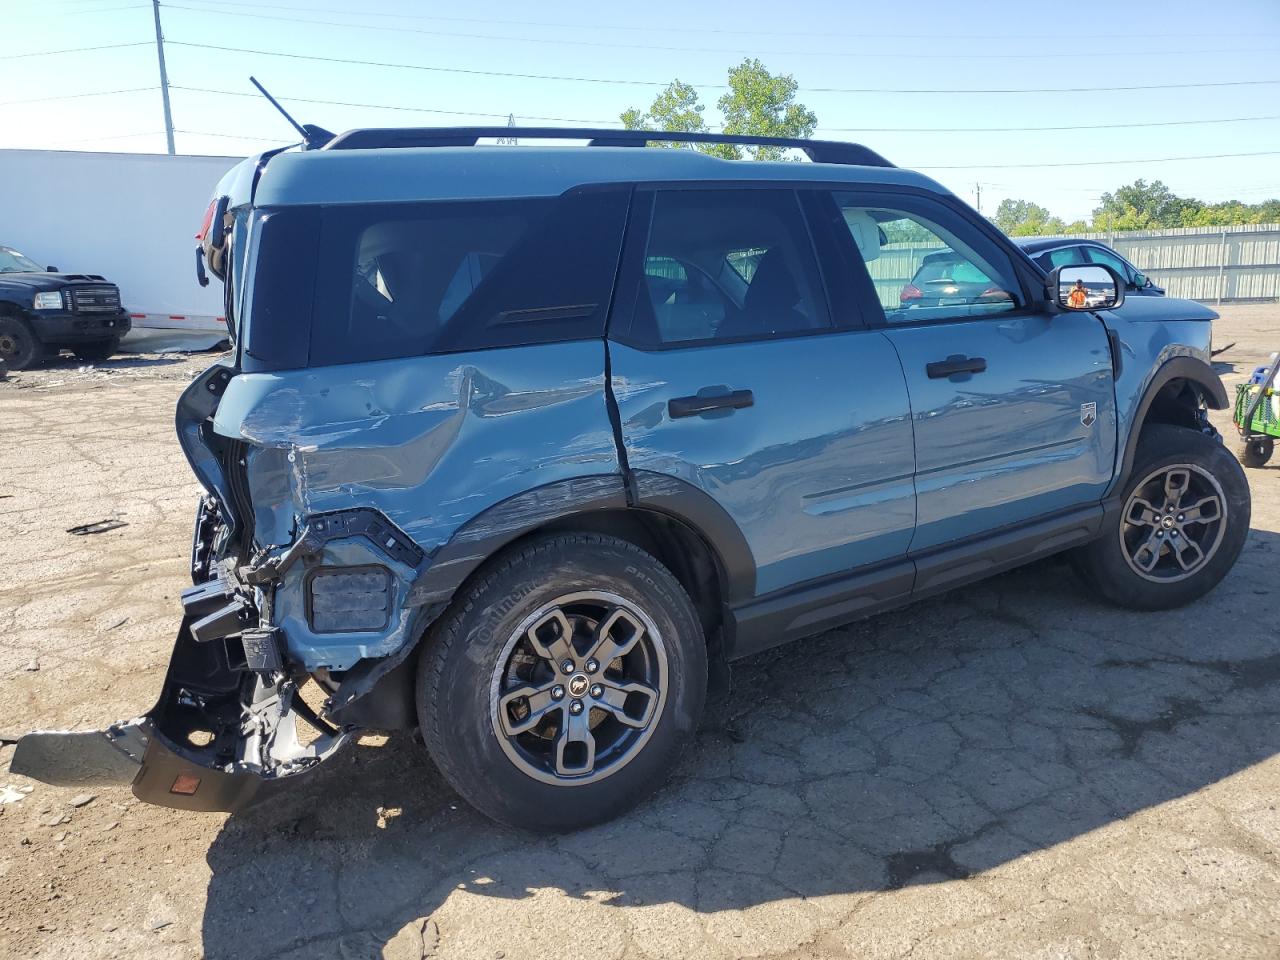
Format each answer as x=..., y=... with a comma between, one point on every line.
x=977, y=190
x=164, y=78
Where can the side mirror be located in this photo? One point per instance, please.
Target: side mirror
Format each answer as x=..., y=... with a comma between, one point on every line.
x=1141, y=281
x=1091, y=287
x=51, y=269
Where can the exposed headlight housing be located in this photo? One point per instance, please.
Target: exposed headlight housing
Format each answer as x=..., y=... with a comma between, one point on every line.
x=49, y=300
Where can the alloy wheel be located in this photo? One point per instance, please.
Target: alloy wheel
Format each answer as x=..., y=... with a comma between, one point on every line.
x=578, y=688
x=1173, y=523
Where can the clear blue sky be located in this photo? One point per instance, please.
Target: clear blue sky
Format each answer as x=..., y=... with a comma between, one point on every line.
x=824, y=44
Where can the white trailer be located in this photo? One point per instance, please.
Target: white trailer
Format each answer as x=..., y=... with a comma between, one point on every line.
x=131, y=217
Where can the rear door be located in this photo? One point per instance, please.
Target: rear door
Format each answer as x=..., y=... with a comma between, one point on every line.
x=734, y=374
x=1014, y=408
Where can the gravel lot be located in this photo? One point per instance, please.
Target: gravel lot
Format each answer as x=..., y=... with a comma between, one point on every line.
x=1012, y=770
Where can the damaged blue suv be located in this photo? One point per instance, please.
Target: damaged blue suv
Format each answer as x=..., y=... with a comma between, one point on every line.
x=520, y=445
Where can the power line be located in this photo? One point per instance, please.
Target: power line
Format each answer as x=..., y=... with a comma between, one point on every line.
x=44, y=12
x=710, y=86
x=634, y=28
x=972, y=166
x=564, y=41
x=500, y=115
x=74, y=96
x=1089, y=126
x=54, y=53
x=1093, y=163
x=382, y=106
x=112, y=136
x=232, y=136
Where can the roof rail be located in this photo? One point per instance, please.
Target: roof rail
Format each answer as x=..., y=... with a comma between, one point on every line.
x=372, y=138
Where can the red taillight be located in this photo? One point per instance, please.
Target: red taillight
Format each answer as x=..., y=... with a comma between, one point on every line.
x=207, y=222
x=910, y=292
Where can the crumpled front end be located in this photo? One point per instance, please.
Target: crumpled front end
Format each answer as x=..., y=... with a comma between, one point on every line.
x=342, y=508
x=231, y=718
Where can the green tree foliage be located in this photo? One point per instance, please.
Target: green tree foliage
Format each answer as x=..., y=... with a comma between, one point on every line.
x=1136, y=206
x=676, y=108
x=757, y=103
x=1142, y=206
x=1022, y=218
x=763, y=105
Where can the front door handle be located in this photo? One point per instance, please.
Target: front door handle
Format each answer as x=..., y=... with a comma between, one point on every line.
x=956, y=363
x=679, y=407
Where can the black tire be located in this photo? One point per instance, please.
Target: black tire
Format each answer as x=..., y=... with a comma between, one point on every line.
x=1256, y=451
x=20, y=349
x=97, y=350
x=1185, y=562
x=467, y=673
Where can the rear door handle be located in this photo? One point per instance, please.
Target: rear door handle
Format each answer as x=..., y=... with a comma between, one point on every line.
x=679, y=407
x=956, y=363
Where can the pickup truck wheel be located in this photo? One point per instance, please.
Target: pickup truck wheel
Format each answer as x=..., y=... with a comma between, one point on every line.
x=97, y=350
x=19, y=348
x=1256, y=451
x=561, y=688
x=1183, y=522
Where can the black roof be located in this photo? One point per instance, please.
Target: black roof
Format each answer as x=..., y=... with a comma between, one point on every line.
x=1037, y=244
x=819, y=151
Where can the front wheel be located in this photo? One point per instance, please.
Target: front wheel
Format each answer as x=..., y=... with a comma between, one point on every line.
x=1183, y=522
x=561, y=688
x=19, y=348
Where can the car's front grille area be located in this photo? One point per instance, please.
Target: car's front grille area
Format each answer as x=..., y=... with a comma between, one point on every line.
x=101, y=299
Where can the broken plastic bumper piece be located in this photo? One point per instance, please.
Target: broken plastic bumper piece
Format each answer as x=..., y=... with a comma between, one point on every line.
x=223, y=732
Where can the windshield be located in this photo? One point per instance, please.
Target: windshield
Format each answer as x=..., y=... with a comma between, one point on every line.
x=11, y=261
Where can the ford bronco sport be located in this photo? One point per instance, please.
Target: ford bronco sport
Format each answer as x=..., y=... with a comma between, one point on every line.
x=520, y=445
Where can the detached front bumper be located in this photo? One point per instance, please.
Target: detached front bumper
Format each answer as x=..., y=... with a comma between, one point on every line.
x=220, y=736
x=133, y=752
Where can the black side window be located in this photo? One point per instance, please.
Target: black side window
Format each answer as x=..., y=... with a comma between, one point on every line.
x=1062, y=257
x=408, y=279
x=726, y=265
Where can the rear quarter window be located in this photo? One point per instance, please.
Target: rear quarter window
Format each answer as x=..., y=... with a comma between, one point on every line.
x=399, y=280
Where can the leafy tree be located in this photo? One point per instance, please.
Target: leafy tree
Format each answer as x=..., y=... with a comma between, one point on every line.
x=676, y=108
x=757, y=103
x=1143, y=206
x=1022, y=218
x=763, y=105
x=1231, y=213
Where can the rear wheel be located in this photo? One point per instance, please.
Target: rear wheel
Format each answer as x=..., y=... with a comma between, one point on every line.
x=1256, y=451
x=1184, y=520
x=563, y=685
x=98, y=350
x=19, y=348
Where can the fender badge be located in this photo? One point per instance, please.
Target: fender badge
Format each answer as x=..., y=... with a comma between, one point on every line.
x=1088, y=413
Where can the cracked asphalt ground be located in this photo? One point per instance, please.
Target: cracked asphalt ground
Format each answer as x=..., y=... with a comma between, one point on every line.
x=1013, y=770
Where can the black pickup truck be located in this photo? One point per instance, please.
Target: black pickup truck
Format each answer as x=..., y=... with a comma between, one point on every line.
x=43, y=311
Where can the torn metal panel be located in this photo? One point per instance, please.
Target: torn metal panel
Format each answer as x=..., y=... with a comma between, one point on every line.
x=429, y=443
